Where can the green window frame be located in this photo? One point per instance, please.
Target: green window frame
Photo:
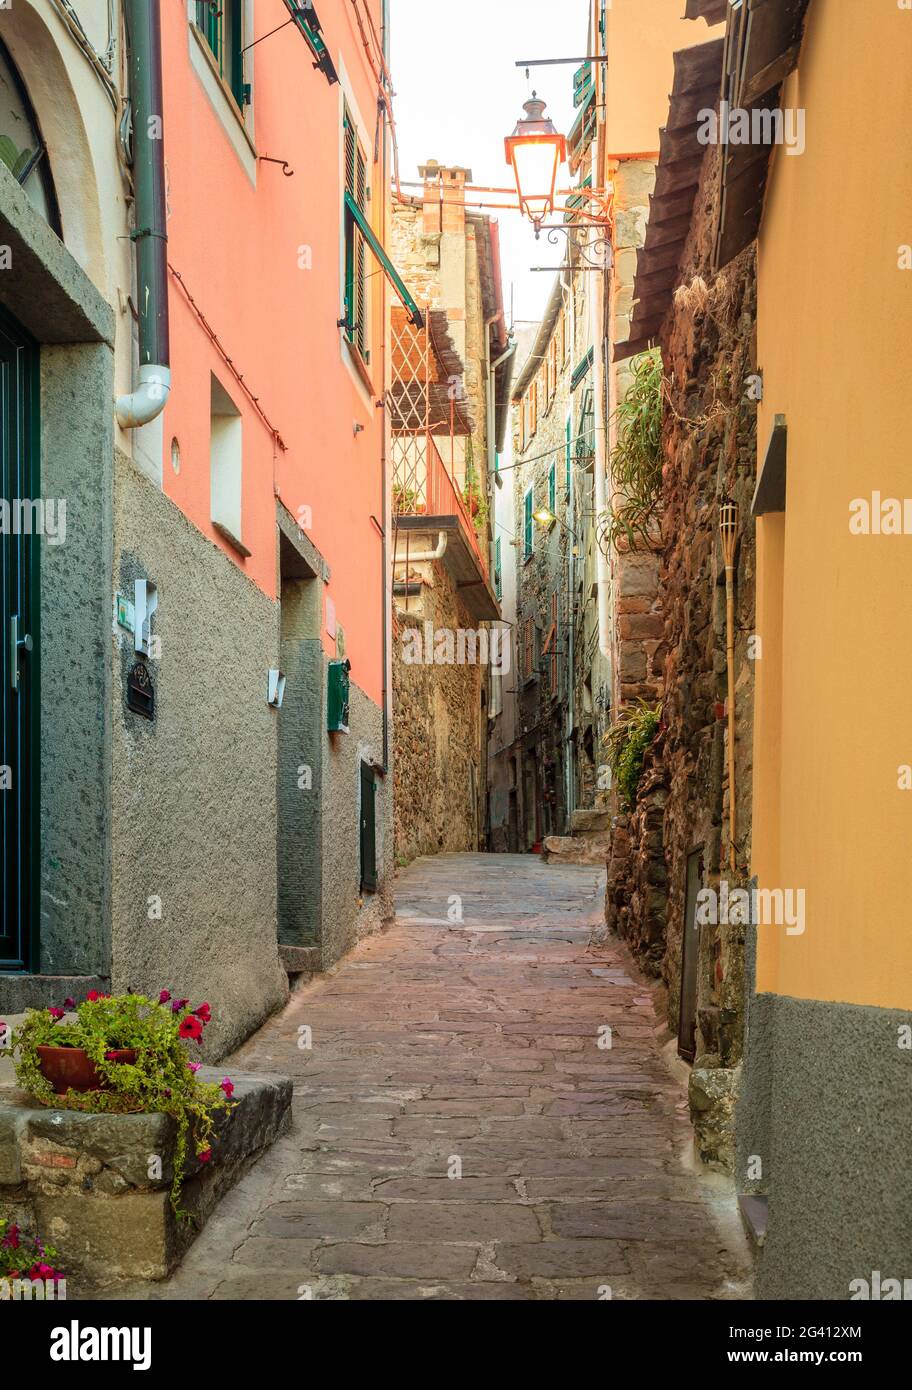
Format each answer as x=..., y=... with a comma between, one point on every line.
x=221, y=23
x=498, y=586
x=356, y=309
x=552, y=489
x=528, y=523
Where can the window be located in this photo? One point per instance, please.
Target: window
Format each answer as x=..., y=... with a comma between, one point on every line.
x=552, y=489
x=498, y=587
x=22, y=148
x=528, y=523
x=225, y=464
x=356, y=307
x=221, y=22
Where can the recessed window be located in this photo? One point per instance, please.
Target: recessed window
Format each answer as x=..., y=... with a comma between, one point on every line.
x=226, y=464
x=221, y=22
x=22, y=148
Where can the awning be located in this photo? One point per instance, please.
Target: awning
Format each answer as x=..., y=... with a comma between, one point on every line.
x=697, y=76
x=354, y=214
x=305, y=18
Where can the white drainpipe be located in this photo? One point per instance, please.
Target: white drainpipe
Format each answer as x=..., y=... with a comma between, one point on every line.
x=148, y=400
x=424, y=556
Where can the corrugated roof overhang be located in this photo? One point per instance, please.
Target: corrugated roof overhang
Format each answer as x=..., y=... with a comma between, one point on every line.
x=697, y=77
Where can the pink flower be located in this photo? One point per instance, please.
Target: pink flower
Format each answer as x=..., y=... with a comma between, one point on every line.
x=194, y=1066
x=190, y=1027
x=55, y=1012
x=11, y=1240
x=203, y=1012
x=178, y=1005
x=69, y=1002
x=205, y=1156
x=110, y=1056
x=228, y=1087
x=164, y=997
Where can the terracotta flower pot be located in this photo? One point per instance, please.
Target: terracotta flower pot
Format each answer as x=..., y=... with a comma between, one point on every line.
x=72, y=1069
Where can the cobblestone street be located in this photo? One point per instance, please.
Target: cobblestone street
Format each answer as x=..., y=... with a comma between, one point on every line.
x=478, y=1042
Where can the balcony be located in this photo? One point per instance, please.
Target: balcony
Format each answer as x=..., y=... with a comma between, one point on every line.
x=428, y=503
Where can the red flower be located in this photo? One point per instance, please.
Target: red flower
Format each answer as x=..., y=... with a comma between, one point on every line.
x=69, y=1002
x=94, y=994
x=204, y=1012
x=228, y=1087
x=190, y=1027
x=11, y=1240
x=164, y=997
x=205, y=1156
x=55, y=1012
x=110, y=1056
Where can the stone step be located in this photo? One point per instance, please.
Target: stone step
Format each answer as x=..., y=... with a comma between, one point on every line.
x=595, y=820
x=568, y=849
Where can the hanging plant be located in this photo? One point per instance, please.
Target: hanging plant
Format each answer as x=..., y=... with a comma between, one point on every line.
x=124, y=1054
x=626, y=742
x=636, y=460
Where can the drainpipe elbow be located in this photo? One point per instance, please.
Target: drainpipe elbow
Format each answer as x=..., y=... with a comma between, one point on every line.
x=147, y=401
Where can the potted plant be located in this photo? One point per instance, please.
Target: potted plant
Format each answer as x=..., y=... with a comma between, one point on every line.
x=26, y=1257
x=124, y=1054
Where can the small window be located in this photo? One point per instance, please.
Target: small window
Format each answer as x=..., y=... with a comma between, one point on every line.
x=221, y=22
x=225, y=464
x=357, y=313
x=528, y=523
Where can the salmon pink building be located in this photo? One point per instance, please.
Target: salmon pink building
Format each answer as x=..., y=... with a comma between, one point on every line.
x=208, y=698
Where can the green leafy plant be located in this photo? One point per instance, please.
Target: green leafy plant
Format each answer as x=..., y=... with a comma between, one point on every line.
x=161, y=1080
x=14, y=159
x=26, y=1257
x=636, y=460
x=627, y=741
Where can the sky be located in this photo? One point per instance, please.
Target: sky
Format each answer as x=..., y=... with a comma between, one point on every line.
x=458, y=93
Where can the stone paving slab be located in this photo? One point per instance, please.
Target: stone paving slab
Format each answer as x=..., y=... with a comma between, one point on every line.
x=437, y=1048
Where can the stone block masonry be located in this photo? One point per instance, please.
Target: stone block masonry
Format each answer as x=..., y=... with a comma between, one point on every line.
x=87, y=1185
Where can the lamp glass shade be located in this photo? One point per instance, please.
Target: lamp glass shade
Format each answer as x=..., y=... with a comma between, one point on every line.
x=535, y=152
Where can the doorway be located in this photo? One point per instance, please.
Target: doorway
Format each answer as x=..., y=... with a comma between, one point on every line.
x=20, y=485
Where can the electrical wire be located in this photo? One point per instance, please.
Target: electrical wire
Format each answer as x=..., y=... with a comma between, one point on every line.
x=100, y=66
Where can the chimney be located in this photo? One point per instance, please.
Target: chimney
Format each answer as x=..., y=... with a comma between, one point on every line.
x=444, y=197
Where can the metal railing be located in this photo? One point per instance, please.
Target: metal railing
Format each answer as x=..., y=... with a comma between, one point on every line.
x=424, y=486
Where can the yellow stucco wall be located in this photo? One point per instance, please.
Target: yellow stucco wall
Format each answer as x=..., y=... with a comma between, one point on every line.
x=835, y=338
x=642, y=38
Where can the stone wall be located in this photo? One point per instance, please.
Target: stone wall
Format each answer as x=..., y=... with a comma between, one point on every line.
x=709, y=447
x=437, y=726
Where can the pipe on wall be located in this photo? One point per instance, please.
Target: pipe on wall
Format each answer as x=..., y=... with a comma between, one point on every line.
x=150, y=235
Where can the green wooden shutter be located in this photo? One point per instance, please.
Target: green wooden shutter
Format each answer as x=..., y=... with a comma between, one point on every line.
x=527, y=523
x=552, y=489
x=497, y=575
x=360, y=261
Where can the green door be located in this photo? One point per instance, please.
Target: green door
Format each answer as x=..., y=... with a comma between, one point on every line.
x=368, y=829
x=19, y=485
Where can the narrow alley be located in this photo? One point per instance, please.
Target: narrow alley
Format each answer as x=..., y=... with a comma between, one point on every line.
x=443, y=1046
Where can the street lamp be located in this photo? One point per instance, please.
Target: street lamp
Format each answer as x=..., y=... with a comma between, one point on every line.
x=535, y=151
x=545, y=517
